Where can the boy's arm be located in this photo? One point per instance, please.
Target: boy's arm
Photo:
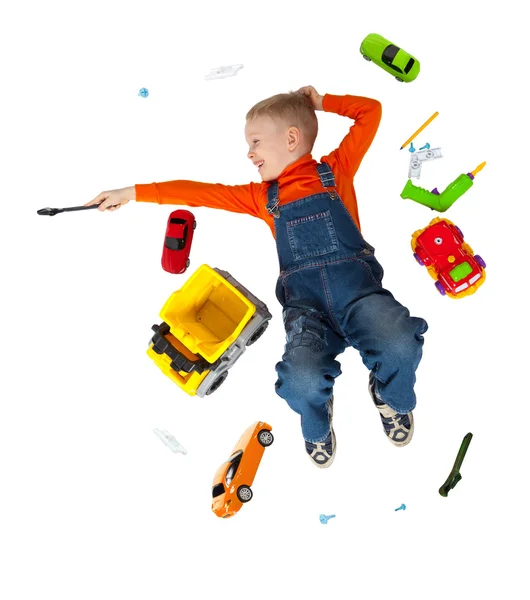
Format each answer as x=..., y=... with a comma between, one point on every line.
x=367, y=115
x=235, y=198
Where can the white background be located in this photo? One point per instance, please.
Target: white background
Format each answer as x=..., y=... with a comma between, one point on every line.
x=93, y=505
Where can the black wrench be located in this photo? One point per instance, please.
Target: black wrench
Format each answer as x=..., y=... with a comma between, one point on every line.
x=53, y=211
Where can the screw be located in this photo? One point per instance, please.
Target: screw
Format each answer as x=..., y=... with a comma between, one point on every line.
x=412, y=149
x=402, y=507
x=324, y=519
x=143, y=92
x=427, y=145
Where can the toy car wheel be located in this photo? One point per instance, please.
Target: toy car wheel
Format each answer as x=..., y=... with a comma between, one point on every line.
x=399, y=79
x=418, y=259
x=367, y=58
x=265, y=438
x=217, y=382
x=194, y=224
x=459, y=232
x=244, y=493
x=257, y=334
x=187, y=263
x=440, y=287
x=480, y=261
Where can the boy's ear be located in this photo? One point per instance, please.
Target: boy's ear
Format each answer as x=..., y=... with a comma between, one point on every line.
x=293, y=137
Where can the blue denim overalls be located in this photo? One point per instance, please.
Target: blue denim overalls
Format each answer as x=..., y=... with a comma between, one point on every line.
x=332, y=297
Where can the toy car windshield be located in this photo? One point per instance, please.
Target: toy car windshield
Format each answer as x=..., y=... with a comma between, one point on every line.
x=217, y=490
x=177, y=240
x=388, y=56
x=460, y=272
x=409, y=65
x=235, y=460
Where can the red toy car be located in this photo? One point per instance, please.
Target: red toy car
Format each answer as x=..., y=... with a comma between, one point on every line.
x=440, y=246
x=177, y=243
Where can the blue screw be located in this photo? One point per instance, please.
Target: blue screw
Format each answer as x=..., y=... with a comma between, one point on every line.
x=402, y=507
x=324, y=519
x=427, y=145
x=412, y=149
x=144, y=92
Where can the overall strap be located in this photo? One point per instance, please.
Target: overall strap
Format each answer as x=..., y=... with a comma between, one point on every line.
x=327, y=179
x=273, y=200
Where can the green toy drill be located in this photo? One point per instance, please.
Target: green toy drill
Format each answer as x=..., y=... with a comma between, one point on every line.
x=435, y=200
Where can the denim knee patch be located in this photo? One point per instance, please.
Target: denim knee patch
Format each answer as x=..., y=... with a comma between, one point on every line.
x=304, y=328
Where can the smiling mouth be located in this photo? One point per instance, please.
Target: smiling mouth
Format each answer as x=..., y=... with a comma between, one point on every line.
x=260, y=164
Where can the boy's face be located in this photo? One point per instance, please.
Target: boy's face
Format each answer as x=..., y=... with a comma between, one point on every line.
x=271, y=146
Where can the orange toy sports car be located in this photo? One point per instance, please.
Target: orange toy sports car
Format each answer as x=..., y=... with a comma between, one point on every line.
x=232, y=481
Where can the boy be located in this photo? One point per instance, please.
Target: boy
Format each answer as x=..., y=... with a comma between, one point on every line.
x=330, y=281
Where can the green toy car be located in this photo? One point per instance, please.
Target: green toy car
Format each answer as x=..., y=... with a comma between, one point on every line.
x=389, y=57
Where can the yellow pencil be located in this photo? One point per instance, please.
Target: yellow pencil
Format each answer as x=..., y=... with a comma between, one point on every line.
x=479, y=168
x=419, y=130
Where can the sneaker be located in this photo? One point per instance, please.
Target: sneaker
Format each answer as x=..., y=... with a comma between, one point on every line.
x=323, y=453
x=398, y=428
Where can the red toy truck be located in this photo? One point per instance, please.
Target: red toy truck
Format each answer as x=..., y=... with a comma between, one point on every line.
x=440, y=247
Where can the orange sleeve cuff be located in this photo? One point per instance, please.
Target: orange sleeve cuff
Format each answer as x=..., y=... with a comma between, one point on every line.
x=329, y=103
x=146, y=192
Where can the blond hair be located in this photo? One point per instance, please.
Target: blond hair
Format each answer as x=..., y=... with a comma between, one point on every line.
x=292, y=109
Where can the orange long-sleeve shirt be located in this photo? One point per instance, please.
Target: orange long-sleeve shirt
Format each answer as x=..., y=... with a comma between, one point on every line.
x=297, y=180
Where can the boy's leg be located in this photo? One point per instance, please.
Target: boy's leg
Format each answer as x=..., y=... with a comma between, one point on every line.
x=306, y=375
x=390, y=342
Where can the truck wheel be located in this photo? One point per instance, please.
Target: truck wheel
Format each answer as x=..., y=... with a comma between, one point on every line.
x=257, y=334
x=480, y=261
x=418, y=259
x=459, y=231
x=217, y=382
x=440, y=287
x=153, y=347
x=265, y=438
x=244, y=493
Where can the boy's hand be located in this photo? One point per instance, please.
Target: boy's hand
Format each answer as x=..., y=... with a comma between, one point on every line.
x=316, y=98
x=113, y=199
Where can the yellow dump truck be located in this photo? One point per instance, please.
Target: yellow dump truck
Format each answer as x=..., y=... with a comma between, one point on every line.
x=207, y=325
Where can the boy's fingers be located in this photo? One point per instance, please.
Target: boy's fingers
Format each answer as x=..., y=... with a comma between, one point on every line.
x=104, y=202
x=94, y=201
x=104, y=205
x=310, y=91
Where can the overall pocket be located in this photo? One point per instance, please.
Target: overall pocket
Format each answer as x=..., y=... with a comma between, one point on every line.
x=312, y=235
x=375, y=267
